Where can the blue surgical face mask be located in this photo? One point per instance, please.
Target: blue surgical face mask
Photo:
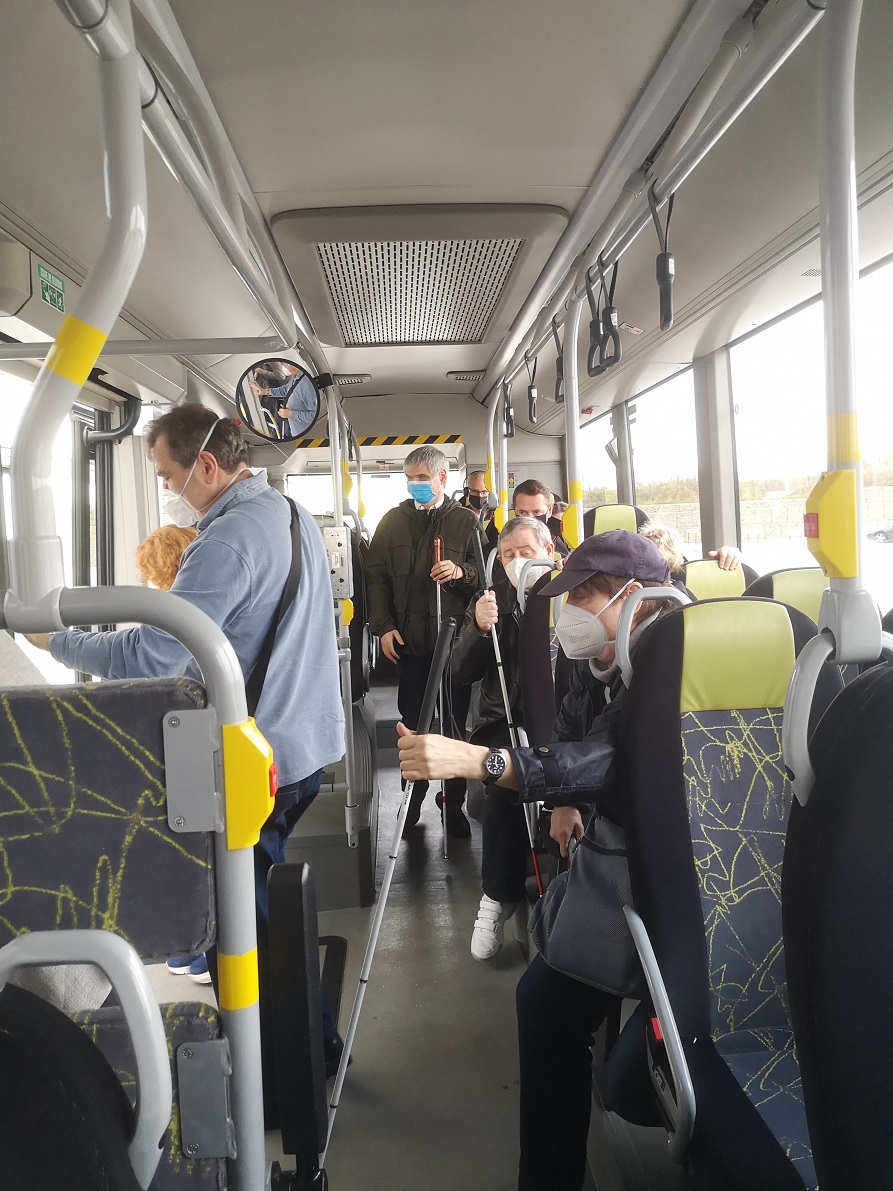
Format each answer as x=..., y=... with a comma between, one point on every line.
x=421, y=491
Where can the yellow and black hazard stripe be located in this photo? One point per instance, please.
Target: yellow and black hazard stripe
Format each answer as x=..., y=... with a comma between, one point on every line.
x=388, y=440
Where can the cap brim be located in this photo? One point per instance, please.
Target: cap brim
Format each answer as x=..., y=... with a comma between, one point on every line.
x=567, y=578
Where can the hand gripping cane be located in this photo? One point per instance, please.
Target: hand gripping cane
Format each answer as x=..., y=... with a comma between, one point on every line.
x=513, y=731
x=438, y=665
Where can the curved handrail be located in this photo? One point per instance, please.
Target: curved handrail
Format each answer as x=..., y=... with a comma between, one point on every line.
x=522, y=578
x=129, y=978
x=625, y=623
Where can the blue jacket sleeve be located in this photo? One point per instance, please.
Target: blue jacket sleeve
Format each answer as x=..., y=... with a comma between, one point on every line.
x=213, y=576
x=570, y=773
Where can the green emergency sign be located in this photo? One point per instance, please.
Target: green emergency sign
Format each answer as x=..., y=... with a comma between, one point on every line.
x=52, y=288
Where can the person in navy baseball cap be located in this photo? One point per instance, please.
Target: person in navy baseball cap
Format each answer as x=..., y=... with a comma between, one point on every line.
x=617, y=552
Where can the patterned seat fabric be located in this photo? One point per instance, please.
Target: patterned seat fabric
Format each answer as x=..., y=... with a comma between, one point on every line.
x=708, y=810
x=183, y=1022
x=84, y=838
x=85, y=843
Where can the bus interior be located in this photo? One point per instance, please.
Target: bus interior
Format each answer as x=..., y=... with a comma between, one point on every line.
x=641, y=252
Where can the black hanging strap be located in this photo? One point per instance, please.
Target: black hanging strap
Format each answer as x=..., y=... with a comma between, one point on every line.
x=254, y=685
x=665, y=265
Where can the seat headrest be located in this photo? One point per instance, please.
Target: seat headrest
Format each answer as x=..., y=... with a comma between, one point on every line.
x=706, y=580
x=737, y=654
x=802, y=588
x=608, y=517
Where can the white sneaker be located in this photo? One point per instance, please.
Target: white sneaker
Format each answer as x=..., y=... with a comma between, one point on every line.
x=489, y=927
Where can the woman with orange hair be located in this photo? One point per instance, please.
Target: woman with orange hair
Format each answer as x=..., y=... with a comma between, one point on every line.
x=158, y=556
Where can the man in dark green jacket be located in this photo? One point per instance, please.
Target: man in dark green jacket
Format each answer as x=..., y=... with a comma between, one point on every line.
x=401, y=576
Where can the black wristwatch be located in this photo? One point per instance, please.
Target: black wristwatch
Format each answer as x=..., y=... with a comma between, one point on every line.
x=495, y=764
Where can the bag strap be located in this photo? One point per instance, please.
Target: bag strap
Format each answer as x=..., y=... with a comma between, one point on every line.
x=255, y=683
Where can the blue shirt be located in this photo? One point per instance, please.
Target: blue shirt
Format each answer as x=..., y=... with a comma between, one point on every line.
x=302, y=402
x=235, y=571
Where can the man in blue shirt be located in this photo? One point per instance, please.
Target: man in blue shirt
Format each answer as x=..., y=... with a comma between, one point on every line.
x=235, y=571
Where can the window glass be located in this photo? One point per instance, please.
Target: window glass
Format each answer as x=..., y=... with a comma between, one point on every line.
x=598, y=472
x=14, y=396
x=779, y=403
x=665, y=458
x=381, y=491
x=778, y=382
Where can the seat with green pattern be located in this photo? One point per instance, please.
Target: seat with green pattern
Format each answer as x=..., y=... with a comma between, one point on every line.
x=708, y=807
x=801, y=587
x=85, y=842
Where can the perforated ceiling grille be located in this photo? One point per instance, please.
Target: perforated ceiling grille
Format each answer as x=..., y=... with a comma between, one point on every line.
x=416, y=291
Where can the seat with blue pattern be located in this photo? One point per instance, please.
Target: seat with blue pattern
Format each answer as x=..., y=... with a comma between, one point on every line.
x=706, y=818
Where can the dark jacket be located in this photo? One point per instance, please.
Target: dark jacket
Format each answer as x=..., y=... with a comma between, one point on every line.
x=399, y=590
x=474, y=658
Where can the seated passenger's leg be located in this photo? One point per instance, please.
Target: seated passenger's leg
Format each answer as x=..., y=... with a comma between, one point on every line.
x=503, y=871
x=454, y=788
x=557, y=1017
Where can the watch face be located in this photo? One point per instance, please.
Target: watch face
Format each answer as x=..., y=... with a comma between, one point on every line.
x=495, y=764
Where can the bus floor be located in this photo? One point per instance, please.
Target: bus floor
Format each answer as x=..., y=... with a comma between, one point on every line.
x=431, y=1099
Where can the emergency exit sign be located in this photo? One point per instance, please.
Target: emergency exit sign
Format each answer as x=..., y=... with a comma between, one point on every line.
x=52, y=288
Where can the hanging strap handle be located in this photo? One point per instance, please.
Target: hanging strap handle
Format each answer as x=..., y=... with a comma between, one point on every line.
x=531, y=389
x=610, y=349
x=559, y=366
x=595, y=329
x=508, y=412
x=254, y=685
x=665, y=266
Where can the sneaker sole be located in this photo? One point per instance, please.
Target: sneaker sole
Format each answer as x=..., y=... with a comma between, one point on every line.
x=205, y=978
x=178, y=971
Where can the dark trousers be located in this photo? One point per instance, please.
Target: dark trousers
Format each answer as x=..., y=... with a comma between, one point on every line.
x=505, y=847
x=557, y=1017
x=412, y=676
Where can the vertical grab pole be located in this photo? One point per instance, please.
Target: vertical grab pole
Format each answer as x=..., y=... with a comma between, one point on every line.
x=502, y=513
x=573, y=529
x=833, y=523
x=36, y=550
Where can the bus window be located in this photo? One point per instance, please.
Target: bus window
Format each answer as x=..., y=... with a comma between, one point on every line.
x=381, y=491
x=778, y=390
x=875, y=386
x=14, y=396
x=665, y=457
x=599, y=474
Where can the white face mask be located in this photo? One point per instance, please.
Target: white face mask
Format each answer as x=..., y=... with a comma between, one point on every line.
x=174, y=505
x=513, y=567
x=581, y=633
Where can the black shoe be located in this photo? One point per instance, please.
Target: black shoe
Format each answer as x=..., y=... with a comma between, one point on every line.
x=457, y=825
x=333, y=1049
x=419, y=790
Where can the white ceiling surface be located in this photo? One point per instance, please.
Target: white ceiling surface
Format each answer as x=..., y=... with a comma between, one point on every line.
x=415, y=102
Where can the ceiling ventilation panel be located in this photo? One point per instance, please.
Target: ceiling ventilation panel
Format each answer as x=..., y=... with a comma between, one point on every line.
x=415, y=277
x=352, y=378
x=472, y=376
x=416, y=291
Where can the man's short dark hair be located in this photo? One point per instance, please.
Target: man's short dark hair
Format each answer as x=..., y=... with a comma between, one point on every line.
x=184, y=429
x=532, y=488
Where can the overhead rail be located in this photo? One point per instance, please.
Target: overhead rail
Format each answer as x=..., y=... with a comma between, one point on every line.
x=677, y=76
x=697, y=129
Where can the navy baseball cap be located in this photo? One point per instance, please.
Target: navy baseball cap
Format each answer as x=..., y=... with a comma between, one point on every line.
x=617, y=552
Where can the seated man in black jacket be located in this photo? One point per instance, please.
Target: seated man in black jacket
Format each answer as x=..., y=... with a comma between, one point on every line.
x=557, y=1015
x=505, y=842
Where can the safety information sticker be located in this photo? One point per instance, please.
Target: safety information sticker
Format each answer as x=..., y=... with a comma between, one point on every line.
x=52, y=288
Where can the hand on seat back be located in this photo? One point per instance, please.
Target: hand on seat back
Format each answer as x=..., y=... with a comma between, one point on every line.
x=728, y=557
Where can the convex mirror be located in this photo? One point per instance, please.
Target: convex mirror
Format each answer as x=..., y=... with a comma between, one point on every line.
x=277, y=399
